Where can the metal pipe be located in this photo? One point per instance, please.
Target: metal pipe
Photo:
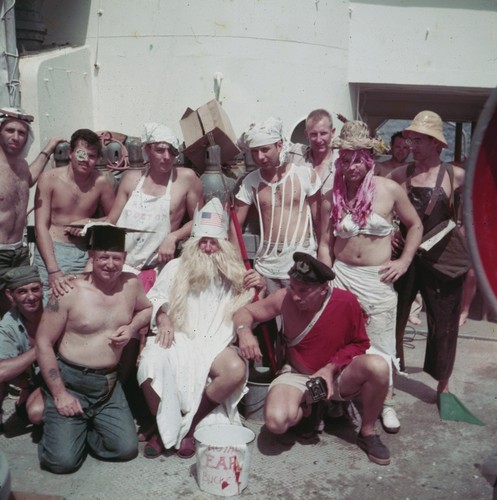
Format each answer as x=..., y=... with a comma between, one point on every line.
x=11, y=53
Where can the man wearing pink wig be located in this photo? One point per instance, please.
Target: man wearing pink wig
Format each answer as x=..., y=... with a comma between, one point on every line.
x=356, y=237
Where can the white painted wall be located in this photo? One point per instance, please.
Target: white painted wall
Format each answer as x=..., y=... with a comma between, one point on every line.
x=418, y=42
x=56, y=88
x=154, y=58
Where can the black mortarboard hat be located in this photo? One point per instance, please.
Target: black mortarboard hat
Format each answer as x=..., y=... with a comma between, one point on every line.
x=107, y=237
x=310, y=270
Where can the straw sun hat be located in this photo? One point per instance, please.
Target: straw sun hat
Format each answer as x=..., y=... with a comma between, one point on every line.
x=355, y=135
x=427, y=123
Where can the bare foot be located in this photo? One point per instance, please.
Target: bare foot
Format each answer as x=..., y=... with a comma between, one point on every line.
x=443, y=386
x=414, y=320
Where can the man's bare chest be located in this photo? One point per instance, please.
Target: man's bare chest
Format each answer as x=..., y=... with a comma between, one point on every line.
x=14, y=191
x=279, y=195
x=108, y=313
x=69, y=197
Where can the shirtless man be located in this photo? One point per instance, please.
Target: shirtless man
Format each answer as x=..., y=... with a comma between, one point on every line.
x=68, y=195
x=442, y=296
x=325, y=337
x=16, y=137
x=156, y=200
x=84, y=402
x=400, y=150
x=286, y=197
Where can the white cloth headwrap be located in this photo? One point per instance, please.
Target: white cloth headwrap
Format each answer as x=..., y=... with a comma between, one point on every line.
x=211, y=221
x=156, y=132
x=31, y=136
x=262, y=134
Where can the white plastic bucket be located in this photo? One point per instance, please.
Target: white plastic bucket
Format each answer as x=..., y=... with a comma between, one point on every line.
x=223, y=454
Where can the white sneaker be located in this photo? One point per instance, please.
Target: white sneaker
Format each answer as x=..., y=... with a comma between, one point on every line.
x=390, y=420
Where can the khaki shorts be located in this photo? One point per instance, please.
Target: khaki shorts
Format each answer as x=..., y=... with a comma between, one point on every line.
x=289, y=376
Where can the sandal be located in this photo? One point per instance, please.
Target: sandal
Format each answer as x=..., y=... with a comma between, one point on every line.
x=154, y=448
x=187, y=448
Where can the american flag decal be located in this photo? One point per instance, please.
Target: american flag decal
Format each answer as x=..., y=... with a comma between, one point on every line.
x=211, y=219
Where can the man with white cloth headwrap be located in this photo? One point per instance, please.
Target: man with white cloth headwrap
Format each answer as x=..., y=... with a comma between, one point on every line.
x=190, y=368
x=285, y=196
x=16, y=137
x=156, y=200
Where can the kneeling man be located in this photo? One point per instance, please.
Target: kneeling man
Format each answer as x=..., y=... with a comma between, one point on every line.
x=325, y=337
x=17, y=340
x=190, y=368
x=90, y=325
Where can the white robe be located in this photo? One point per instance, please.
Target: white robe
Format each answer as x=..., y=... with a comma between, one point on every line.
x=179, y=374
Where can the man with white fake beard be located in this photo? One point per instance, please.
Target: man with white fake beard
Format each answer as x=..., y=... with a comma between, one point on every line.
x=190, y=369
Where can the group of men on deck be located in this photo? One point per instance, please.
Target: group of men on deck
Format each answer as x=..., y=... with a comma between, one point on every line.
x=319, y=219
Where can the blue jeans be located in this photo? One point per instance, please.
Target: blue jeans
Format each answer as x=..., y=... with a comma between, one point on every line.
x=106, y=427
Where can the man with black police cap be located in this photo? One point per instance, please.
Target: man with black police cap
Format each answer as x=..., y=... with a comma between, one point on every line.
x=91, y=324
x=323, y=328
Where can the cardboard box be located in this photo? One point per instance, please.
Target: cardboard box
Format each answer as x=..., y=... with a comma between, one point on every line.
x=208, y=125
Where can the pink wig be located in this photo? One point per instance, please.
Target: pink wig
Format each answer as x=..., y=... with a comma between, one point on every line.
x=362, y=204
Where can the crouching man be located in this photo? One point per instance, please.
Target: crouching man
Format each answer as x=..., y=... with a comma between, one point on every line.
x=323, y=328
x=84, y=403
x=190, y=368
x=17, y=339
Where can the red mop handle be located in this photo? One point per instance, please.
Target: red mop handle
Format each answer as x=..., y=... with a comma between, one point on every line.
x=246, y=262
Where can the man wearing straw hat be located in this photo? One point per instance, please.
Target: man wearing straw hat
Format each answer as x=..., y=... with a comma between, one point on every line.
x=356, y=236
x=190, y=369
x=441, y=296
x=79, y=344
x=286, y=197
